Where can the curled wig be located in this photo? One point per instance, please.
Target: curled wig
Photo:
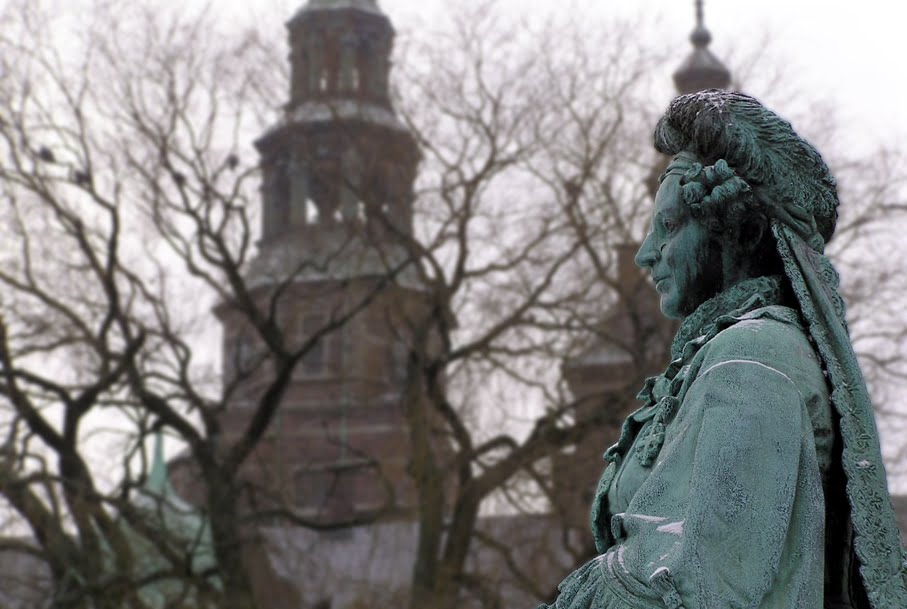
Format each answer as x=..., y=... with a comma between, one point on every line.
x=783, y=170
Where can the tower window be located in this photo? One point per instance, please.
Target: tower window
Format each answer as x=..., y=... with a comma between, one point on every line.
x=299, y=193
x=276, y=192
x=314, y=65
x=300, y=78
x=355, y=79
x=323, y=81
x=348, y=77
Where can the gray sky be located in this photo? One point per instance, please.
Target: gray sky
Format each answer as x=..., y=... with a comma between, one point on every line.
x=848, y=52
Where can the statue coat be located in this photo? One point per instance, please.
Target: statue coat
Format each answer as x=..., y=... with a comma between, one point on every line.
x=730, y=511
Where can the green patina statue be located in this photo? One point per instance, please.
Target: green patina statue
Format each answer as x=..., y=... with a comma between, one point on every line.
x=751, y=476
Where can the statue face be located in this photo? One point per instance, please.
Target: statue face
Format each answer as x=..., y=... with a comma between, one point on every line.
x=684, y=260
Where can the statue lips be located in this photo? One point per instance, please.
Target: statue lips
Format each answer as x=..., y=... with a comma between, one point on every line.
x=657, y=281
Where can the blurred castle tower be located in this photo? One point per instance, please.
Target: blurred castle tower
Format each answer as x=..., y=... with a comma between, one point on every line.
x=338, y=173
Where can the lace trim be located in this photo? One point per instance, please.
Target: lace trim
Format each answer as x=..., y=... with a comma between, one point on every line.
x=701, y=321
x=876, y=537
x=700, y=327
x=589, y=587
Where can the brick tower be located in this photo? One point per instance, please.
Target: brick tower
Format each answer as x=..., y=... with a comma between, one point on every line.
x=336, y=214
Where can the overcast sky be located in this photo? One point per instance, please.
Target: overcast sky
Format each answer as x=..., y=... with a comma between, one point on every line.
x=849, y=52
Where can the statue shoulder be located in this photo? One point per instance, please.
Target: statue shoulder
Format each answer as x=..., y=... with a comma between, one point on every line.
x=771, y=335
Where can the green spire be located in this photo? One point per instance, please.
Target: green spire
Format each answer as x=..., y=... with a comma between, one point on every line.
x=182, y=525
x=158, y=481
x=158, y=493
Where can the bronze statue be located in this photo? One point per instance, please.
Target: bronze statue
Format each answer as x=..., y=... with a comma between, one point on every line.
x=751, y=476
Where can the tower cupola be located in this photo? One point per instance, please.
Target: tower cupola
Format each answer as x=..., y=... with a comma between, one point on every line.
x=340, y=49
x=340, y=165
x=701, y=69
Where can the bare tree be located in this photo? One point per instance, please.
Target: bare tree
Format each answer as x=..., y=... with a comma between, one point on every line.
x=118, y=166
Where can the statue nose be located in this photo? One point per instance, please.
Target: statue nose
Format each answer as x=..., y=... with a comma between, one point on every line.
x=647, y=254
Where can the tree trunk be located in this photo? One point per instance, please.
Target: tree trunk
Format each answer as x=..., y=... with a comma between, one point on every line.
x=223, y=503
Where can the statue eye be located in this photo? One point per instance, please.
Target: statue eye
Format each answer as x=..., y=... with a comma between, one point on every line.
x=670, y=226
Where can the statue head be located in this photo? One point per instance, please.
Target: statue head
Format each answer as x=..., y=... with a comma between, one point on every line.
x=736, y=168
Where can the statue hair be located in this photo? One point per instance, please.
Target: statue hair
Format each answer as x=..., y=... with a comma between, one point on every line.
x=754, y=159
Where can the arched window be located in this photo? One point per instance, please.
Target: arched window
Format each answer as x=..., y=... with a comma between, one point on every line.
x=242, y=355
x=299, y=193
x=300, y=75
x=378, y=67
x=315, y=70
x=276, y=194
x=348, y=78
x=324, y=195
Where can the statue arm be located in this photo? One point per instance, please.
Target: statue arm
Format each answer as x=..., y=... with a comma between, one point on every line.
x=750, y=453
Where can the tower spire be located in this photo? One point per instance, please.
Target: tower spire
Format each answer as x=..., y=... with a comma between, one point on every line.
x=701, y=69
x=340, y=51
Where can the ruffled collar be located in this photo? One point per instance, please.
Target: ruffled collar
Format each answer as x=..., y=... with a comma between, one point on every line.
x=711, y=317
x=739, y=299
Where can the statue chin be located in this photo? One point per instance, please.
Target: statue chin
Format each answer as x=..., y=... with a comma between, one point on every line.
x=667, y=302
x=669, y=310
